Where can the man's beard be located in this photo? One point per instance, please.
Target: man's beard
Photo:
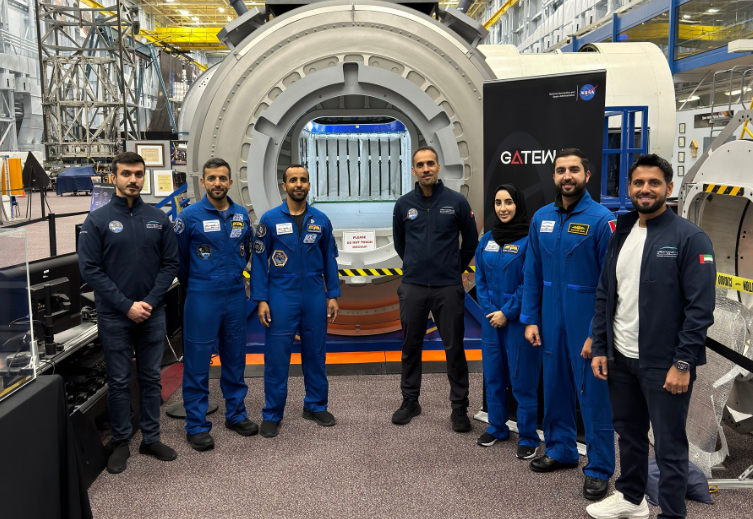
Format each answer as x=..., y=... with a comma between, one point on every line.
x=651, y=208
x=578, y=189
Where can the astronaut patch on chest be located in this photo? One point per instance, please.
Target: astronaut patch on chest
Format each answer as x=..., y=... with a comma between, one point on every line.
x=492, y=246
x=309, y=238
x=284, y=228
x=314, y=228
x=236, y=233
x=578, y=228
x=547, y=226
x=204, y=251
x=512, y=249
x=279, y=258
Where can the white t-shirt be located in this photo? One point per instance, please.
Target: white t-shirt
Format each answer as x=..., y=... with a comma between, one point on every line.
x=625, y=325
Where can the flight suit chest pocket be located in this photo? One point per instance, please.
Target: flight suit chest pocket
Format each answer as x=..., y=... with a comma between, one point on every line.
x=576, y=243
x=445, y=219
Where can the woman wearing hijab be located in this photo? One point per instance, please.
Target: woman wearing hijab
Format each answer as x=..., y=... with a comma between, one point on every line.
x=506, y=354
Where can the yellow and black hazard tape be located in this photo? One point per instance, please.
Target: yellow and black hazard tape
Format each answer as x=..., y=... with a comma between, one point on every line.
x=351, y=273
x=734, y=283
x=724, y=190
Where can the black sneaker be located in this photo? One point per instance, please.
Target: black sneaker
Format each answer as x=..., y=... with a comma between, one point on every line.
x=269, y=428
x=323, y=418
x=407, y=411
x=118, y=459
x=245, y=427
x=460, y=421
x=525, y=452
x=158, y=450
x=202, y=441
x=486, y=440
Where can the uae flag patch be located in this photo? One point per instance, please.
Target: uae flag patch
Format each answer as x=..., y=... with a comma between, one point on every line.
x=613, y=225
x=706, y=258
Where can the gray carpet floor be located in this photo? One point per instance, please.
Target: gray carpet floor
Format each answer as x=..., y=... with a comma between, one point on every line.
x=363, y=467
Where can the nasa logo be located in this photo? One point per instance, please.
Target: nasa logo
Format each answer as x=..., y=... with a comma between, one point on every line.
x=587, y=92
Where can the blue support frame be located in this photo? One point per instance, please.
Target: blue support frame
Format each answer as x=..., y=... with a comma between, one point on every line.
x=626, y=151
x=173, y=201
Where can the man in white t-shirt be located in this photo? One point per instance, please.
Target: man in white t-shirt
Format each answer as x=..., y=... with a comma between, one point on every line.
x=654, y=303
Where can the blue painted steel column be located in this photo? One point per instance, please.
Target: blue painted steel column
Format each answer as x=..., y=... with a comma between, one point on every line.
x=615, y=28
x=672, y=36
x=576, y=43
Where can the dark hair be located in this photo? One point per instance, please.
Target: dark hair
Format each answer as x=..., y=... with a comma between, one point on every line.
x=292, y=166
x=652, y=160
x=570, y=152
x=423, y=148
x=127, y=157
x=215, y=163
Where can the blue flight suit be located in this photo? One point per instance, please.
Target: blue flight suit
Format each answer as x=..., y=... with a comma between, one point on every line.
x=566, y=251
x=506, y=353
x=295, y=274
x=214, y=251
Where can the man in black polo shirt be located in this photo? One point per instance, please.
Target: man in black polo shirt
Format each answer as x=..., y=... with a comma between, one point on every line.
x=654, y=303
x=425, y=226
x=128, y=254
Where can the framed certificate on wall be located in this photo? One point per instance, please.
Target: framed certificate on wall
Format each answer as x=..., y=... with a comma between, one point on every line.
x=153, y=154
x=163, y=182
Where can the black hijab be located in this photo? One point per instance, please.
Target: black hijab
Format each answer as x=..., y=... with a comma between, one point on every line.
x=517, y=228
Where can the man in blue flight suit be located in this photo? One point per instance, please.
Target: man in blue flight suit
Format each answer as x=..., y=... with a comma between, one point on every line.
x=214, y=238
x=296, y=284
x=566, y=249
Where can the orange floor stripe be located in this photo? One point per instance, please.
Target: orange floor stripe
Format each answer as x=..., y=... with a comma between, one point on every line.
x=358, y=357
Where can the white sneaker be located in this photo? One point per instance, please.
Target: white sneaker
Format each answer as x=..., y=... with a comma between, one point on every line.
x=617, y=507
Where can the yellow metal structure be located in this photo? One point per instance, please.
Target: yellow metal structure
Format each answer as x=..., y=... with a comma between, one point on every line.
x=502, y=10
x=745, y=125
x=179, y=34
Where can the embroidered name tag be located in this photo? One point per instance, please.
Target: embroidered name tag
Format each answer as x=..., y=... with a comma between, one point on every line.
x=284, y=228
x=492, y=246
x=578, y=228
x=211, y=225
x=667, y=252
x=447, y=210
x=547, y=226
x=512, y=249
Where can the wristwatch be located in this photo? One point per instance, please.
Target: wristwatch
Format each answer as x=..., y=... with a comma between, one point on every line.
x=681, y=365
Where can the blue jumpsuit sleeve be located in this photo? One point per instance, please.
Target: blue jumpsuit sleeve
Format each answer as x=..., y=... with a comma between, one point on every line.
x=511, y=309
x=90, y=258
x=698, y=282
x=482, y=284
x=605, y=233
x=260, y=264
x=469, y=233
x=169, y=265
x=599, y=321
x=398, y=231
x=329, y=253
x=182, y=228
x=532, y=278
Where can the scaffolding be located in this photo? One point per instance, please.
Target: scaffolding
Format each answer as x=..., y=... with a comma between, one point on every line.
x=91, y=80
